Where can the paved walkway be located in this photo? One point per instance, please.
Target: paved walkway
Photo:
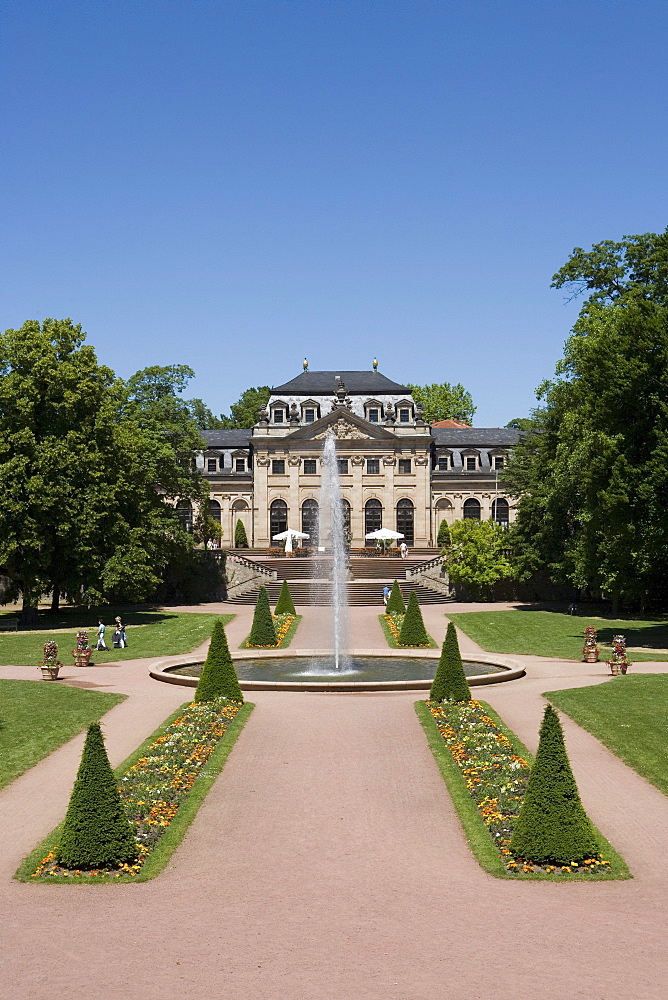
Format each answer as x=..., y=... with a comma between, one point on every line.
x=327, y=863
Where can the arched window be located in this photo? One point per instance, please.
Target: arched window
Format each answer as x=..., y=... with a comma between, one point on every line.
x=310, y=521
x=500, y=511
x=214, y=511
x=373, y=516
x=472, y=509
x=278, y=518
x=406, y=520
x=184, y=512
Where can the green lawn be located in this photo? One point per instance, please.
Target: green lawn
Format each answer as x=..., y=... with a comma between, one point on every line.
x=149, y=633
x=547, y=633
x=629, y=715
x=36, y=718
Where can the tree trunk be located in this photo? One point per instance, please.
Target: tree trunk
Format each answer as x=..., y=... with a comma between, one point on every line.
x=28, y=616
x=55, y=601
x=614, y=605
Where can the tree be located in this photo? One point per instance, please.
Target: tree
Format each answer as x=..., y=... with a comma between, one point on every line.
x=450, y=683
x=591, y=472
x=203, y=416
x=443, y=537
x=552, y=827
x=476, y=556
x=243, y=413
x=240, y=537
x=285, y=605
x=89, y=472
x=96, y=832
x=442, y=401
x=263, y=632
x=395, y=602
x=413, y=632
x=218, y=678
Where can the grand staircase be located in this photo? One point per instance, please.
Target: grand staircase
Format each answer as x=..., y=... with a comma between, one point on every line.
x=309, y=580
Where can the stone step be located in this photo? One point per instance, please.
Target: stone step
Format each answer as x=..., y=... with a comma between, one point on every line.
x=319, y=592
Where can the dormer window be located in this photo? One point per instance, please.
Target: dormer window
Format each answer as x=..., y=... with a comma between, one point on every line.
x=498, y=462
x=309, y=415
x=374, y=415
x=279, y=416
x=240, y=465
x=443, y=463
x=404, y=415
x=211, y=465
x=373, y=411
x=470, y=462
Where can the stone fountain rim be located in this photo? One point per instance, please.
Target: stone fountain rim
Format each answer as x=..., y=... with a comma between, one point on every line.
x=163, y=670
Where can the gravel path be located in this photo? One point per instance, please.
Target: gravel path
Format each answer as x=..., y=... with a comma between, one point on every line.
x=327, y=863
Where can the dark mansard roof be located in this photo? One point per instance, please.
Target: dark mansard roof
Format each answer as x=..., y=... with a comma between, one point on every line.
x=475, y=437
x=227, y=438
x=325, y=384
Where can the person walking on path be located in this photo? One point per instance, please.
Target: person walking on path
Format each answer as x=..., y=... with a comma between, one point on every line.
x=403, y=548
x=100, y=635
x=386, y=594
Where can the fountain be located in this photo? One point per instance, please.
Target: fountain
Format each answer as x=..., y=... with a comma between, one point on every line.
x=331, y=519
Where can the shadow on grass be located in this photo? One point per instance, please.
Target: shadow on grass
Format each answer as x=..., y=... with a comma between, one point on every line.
x=82, y=617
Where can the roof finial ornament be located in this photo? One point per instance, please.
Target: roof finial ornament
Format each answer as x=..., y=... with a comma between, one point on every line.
x=375, y=364
x=305, y=365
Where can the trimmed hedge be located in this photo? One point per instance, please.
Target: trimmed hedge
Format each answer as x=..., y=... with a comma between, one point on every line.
x=450, y=683
x=96, y=832
x=395, y=602
x=443, y=537
x=413, y=632
x=219, y=678
x=285, y=605
x=552, y=827
x=263, y=632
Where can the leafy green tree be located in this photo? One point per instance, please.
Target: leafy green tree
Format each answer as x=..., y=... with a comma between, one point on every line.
x=443, y=401
x=450, y=683
x=89, y=473
x=218, y=678
x=263, y=632
x=552, y=827
x=476, y=556
x=243, y=413
x=285, y=605
x=592, y=472
x=240, y=537
x=203, y=416
x=96, y=832
x=395, y=602
x=413, y=632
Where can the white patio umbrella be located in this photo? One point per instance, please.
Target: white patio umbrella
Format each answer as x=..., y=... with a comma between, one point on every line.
x=289, y=536
x=384, y=534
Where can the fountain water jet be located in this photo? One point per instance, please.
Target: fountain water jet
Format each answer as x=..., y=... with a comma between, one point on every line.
x=331, y=518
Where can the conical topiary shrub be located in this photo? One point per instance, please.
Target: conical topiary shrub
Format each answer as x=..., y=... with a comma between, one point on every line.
x=285, y=604
x=450, y=683
x=552, y=827
x=263, y=632
x=443, y=537
x=413, y=632
x=96, y=832
x=240, y=537
x=219, y=678
x=395, y=602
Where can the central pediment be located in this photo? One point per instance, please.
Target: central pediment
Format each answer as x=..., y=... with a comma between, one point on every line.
x=345, y=426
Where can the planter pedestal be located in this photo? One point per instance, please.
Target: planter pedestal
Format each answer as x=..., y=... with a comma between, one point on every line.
x=591, y=657
x=50, y=673
x=82, y=657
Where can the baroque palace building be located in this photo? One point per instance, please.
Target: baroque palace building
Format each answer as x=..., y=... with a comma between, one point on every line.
x=396, y=471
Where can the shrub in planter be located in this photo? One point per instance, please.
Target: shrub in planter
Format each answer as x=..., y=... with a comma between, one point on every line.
x=262, y=632
x=219, y=678
x=552, y=827
x=443, y=537
x=450, y=683
x=285, y=605
x=240, y=537
x=395, y=602
x=413, y=632
x=96, y=832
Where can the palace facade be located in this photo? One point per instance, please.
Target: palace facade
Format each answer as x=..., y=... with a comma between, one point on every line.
x=396, y=471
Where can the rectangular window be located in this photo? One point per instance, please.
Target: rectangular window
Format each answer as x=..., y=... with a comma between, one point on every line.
x=343, y=466
x=470, y=463
x=278, y=416
x=442, y=463
x=310, y=468
x=210, y=465
x=373, y=416
x=373, y=466
x=278, y=466
x=404, y=416
x=240, y=464
x=309, y=416
x=404, y=466
x=498, y=461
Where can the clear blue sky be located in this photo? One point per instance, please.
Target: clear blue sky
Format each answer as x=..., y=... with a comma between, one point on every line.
x=237, y=185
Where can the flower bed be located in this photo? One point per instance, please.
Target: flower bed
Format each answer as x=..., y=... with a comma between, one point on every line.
x=285, y=625
x=391, y=625
x=155, y=786
x=496, y=778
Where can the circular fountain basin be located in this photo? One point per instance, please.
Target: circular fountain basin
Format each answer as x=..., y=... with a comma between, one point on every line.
x=366, y=673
